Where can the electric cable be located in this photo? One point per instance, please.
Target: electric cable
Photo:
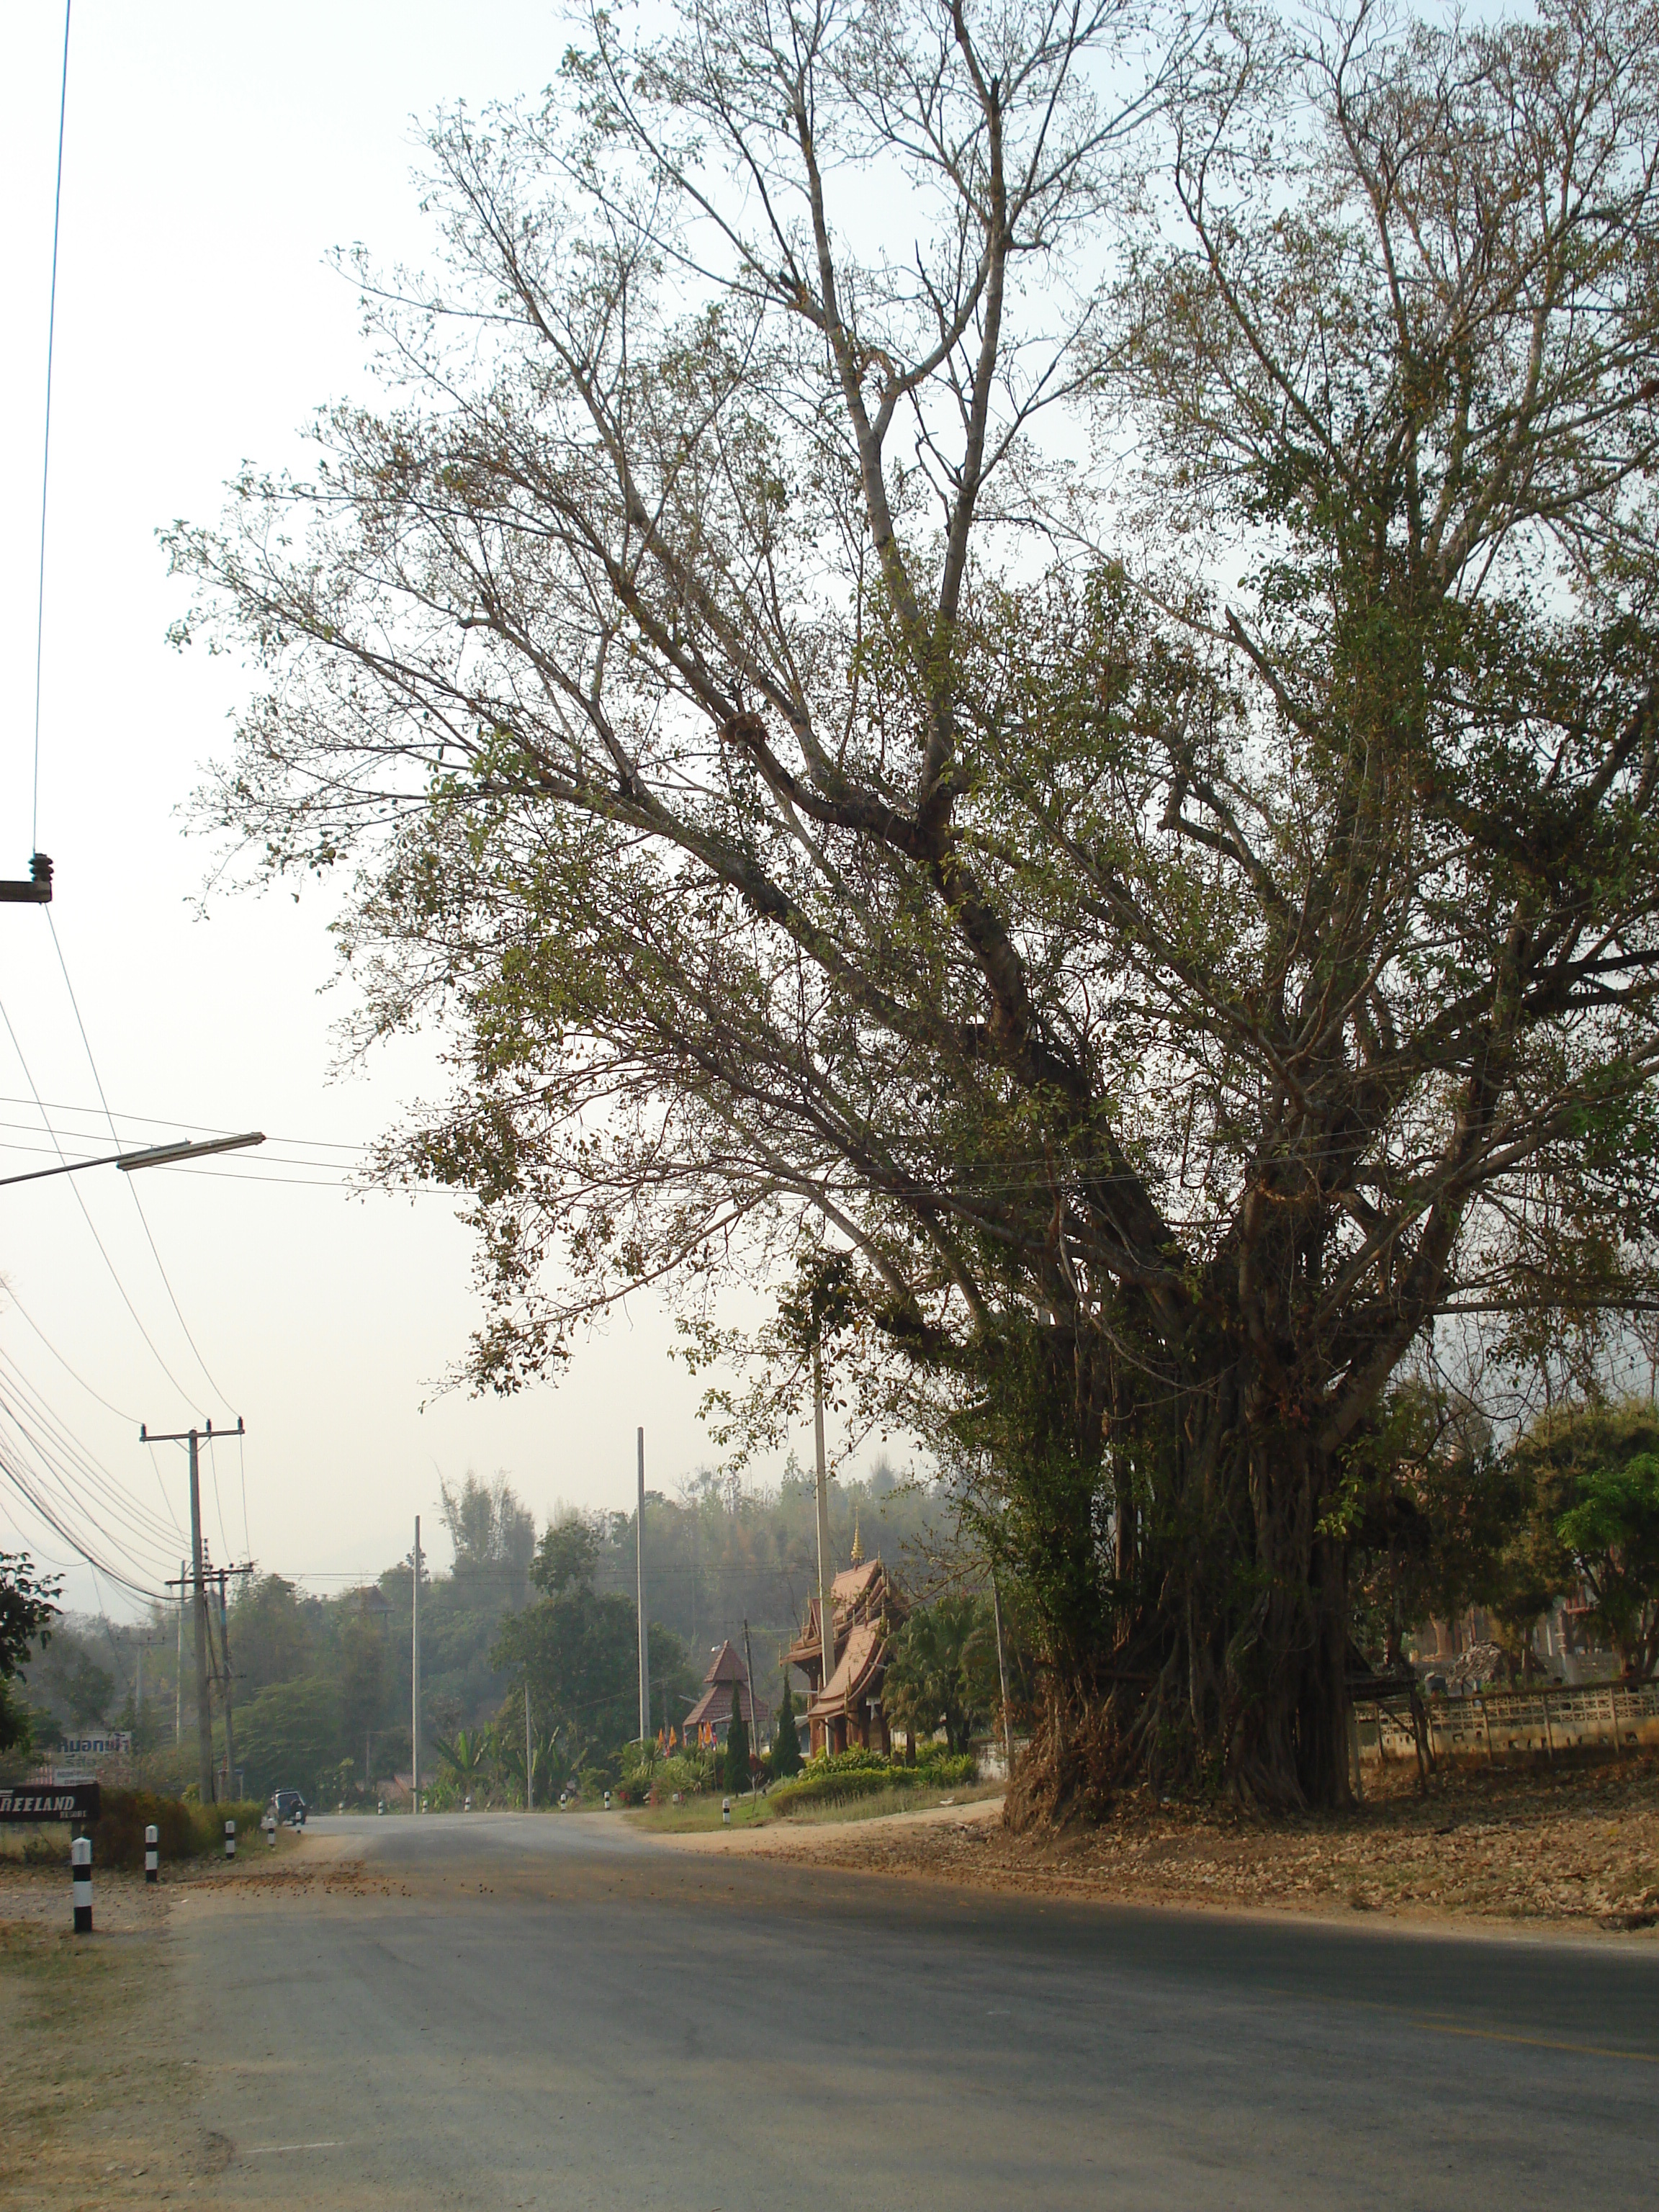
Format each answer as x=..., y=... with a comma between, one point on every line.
x=13, y=1300
x=98, y=1086
x=54, y=1490
x=145, y=1525
x=46, y=442
x=20, y=1483
x=173, y=1121
x=186, y=1396
x=218, y=1507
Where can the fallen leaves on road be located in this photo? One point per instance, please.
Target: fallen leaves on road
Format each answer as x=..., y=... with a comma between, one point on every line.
x=1574, y=1844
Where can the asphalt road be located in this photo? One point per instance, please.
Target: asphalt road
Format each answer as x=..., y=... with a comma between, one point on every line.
x=555, y=2012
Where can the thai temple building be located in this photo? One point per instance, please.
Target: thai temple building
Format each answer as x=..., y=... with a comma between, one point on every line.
x=725, y=1689
x=867, y=1608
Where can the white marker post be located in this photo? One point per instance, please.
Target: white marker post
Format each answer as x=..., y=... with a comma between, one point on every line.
x=230, y=1839
x=81, y=1883
x=151, y=1853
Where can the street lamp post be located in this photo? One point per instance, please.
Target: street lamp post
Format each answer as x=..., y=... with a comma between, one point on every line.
x=152, y=1156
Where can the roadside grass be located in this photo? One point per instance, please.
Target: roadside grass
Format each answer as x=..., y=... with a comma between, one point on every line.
x=700, y=1814
x=83, y=2097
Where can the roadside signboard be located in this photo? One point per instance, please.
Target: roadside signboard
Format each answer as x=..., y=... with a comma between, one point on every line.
x=50, y=1800
x=103, y=1743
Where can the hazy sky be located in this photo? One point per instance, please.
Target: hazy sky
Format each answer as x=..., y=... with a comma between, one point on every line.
x=214, y=154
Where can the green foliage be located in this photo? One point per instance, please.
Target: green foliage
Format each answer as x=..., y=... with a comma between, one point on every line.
x=187, y=1832
x=365, y=1679
x=1612, y=1533
x=735, y=1772
x=1431, y=1514
x=936, y=1669
x=786, y=1735
x=272, y=1639
x=468, y=1755
x=846, y=1776
x=290, y=1736
x=567, y=1554
x=27, y=1609
x=1194, y=960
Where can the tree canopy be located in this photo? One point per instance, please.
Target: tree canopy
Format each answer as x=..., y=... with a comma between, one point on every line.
x=1084, y=757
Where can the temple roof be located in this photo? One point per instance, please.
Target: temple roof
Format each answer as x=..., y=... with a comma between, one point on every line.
x=726, y=1685
x=857, y=1595
x=859, y=1663
x=728, y=1667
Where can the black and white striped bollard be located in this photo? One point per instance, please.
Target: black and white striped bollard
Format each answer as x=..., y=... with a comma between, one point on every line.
x=151, y=1853
x=81, y=1883
x=230, y=1839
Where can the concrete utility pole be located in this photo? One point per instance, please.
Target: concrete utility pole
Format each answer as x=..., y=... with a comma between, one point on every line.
x=639, y=1580
x=826, y=1610
x=230, y=1723
x=203, y=1706
x=414, y=1684
x=179, y=1675
x=529, y=1762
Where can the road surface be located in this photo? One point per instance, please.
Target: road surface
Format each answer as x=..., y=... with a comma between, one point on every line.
x=556, y=2012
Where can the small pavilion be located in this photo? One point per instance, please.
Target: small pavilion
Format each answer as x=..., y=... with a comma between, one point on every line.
x=866, y=1608
x=726, y=1689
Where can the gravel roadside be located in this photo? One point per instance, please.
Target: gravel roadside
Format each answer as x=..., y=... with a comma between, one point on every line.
x=1572, y=1850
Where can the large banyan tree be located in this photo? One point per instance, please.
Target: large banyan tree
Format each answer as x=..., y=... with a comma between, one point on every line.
x=1006, y=655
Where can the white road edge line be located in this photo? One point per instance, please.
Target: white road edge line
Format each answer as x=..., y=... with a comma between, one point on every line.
x=265, y=2150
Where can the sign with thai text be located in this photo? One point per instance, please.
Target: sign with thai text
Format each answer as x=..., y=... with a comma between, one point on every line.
x=107, y=1743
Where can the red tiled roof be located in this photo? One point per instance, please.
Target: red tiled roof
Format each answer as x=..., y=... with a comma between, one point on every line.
x=728, y=1667
x=714, y=1707
x=860, y=1661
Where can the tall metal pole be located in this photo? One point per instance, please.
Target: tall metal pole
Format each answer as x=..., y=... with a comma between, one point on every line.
x=178, y=1669
x=414, y=1684
x=639, y=1577
x=528, y=1764
x=826, y=1610
x=203, y=1711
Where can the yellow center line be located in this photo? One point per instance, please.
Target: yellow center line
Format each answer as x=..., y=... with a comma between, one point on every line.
x=1539, y=2042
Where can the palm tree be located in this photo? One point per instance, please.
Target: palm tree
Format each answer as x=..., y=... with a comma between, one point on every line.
x=929, y=1680
x=466, y=1754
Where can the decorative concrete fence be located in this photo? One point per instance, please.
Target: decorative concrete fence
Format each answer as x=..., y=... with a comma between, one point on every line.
x=1503, y=1723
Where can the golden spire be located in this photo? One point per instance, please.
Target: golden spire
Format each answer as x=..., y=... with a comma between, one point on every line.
x=857, y=1548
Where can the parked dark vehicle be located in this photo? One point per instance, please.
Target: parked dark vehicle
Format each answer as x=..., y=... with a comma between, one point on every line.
x=289, y=1805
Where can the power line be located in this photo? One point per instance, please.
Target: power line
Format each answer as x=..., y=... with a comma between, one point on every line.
x=46, y=442
x=13, y=1299
x=174, y=1121
x=96, y=1238
x=20, y=1483
x=98, y=1084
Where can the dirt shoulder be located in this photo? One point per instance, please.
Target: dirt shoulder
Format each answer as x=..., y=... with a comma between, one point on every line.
x=1494, y=1847
x=93, y=2110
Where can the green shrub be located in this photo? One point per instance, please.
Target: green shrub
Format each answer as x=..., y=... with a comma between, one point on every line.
x=187, y=1832
x=846, y=1775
